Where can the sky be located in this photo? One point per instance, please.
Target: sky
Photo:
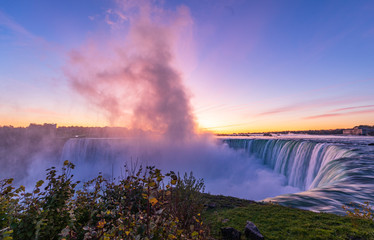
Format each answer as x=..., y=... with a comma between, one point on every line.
x=244, y=66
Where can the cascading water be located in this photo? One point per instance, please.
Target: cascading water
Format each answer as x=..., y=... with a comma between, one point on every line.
x=329, y=172
x=90, y=153
x=299, y=161
x=332, y=172
x=93, y=150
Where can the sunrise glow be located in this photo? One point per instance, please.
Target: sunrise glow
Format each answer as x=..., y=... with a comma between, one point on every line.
x=243, y=66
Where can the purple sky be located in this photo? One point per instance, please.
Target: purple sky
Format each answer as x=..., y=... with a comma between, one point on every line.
x=243, y=65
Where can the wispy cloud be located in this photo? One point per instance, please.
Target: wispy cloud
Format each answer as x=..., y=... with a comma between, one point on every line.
x=20, y=36
x=6, y=21
x=329, y=115
x=352, y=108
x=226, y=126
x=311, y=104
x=300, y=106
x=18, y=31
x=285, y=109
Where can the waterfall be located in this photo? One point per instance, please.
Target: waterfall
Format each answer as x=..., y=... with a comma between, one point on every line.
x=305, y=164
x=79, y=150
x=330, y=172
x=96, y=155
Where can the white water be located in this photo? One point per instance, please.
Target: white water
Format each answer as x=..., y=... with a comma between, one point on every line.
x=224, y=170
x=299, y=161
x=329, y=170
x=333, y=170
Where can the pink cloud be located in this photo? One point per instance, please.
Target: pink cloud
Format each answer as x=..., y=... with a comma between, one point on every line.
x=313, y=104
x=282, y=110
x=351, y=108
x=132, y=78
x=328, y=115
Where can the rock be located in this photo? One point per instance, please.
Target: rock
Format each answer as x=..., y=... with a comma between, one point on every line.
x=251, y=232
x=229, y=233
x=371, y=144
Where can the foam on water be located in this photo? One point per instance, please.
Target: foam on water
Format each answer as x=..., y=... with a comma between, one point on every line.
x=315, y=173
x=332, y=170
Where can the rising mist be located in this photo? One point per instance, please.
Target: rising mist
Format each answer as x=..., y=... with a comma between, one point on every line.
x=131, y=76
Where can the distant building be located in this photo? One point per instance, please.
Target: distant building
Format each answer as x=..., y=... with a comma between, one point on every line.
x=354, y=131
x=359, y=130
x=366, y=130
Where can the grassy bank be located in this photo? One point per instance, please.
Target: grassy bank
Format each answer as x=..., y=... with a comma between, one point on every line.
x=278, y=222
x=146, y=204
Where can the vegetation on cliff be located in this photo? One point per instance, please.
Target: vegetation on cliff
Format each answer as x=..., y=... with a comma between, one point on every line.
x=279, y=222
x=147, y=204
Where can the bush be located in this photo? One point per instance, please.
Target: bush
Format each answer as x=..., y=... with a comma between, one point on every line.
x=358, y=210
x=145, y=204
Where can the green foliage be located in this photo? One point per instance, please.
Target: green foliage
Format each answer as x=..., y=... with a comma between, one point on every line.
x=139, y=206
x=187, y=200
x=147, y=204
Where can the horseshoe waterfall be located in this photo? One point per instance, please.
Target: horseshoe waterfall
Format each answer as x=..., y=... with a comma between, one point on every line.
x=325, y=172
x=330, y=172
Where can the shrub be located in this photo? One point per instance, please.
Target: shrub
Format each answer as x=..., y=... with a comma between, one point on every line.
x=145, y=204
x=357, y=210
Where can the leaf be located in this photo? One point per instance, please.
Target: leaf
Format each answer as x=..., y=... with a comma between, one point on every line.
x=9, y=181
x=101, y=224
x=152, y=184
x=152, y=200
x=171, y=236
x=39, y=183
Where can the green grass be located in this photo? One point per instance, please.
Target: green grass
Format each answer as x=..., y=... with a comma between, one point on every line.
x=278, y=222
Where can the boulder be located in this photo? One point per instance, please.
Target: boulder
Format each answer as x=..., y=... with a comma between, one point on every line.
x=251, y=232
x=229, y=233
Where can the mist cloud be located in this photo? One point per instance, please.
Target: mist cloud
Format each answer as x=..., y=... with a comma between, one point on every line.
x=132, y=77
